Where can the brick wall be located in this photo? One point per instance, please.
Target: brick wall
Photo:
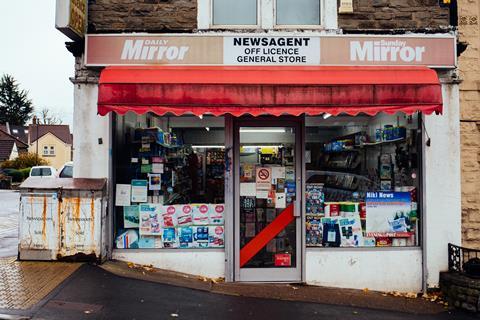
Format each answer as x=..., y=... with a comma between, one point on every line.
x=469, y=66
x=112, y=16
x=397, y=14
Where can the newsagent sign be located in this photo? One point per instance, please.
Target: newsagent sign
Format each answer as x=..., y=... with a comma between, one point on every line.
x=234, y=50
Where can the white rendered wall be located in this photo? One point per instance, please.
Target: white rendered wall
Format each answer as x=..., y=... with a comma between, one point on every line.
x=91, y=159
x=203, y=262
x=386, y=269
x=442, y=184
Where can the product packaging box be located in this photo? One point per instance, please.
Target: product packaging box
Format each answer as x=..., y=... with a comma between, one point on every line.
x=216, y=237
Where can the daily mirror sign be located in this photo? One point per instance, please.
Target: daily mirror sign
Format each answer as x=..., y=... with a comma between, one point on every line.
x=234, y=50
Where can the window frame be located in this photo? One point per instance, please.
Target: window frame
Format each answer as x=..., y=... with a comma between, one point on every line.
x=46, y=150
x=52, y=148
x=266, y=17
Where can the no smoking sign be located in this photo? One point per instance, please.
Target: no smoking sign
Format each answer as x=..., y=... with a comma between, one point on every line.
x=263, y=178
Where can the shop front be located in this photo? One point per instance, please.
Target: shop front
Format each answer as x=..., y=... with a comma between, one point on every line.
x=332, y=163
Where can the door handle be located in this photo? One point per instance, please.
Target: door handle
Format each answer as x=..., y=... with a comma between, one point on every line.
x=297, y=210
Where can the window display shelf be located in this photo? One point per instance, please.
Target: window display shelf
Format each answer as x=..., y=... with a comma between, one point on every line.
x=372, y=144
x=311, y=173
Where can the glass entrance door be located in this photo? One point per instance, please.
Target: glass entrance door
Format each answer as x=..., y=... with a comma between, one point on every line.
x=268, y=208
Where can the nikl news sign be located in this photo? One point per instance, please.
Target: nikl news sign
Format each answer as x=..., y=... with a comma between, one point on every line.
x=168, y=49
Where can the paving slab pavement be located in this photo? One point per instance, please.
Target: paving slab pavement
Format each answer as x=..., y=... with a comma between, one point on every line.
x=23, y=284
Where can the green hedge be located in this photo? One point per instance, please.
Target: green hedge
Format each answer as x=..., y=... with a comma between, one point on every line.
x=17, y=175
x=25, y=172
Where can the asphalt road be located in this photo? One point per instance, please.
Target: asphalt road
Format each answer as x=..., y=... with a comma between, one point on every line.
x=93, y=293
x=9, y=211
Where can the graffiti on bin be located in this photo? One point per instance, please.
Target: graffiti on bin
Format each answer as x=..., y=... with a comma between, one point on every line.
x=67, y=225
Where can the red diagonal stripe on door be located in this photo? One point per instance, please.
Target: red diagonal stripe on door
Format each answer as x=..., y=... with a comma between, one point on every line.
x=267, y=234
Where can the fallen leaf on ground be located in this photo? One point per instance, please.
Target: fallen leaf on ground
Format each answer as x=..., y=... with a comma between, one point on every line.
x=365, y=290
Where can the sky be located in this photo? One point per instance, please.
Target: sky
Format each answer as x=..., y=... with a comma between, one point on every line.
x=34, y=53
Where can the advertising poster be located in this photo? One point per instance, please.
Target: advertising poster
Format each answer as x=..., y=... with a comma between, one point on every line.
x=215, y=214
x=185, y=237
x=388, y=212
x=314, y=230
x=139, y=190
x=154, y=181
x=149, y=242
x=131, y=217
x=169, y=216
x=184, y=215
x=200, y=237
x=216, y=237
x=200, y=214
x=351, y=231
x=150, y=219
x=122, y=195
x=169, y=237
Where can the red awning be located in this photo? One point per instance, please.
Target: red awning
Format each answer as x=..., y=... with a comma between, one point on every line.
x=269, y=90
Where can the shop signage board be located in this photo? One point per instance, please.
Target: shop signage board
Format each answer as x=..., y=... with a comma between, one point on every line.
x=437, y=51
x=71, y=18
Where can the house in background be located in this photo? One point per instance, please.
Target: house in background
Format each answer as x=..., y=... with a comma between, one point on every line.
x=10, y=146
x=19, y=132
x=51, y=142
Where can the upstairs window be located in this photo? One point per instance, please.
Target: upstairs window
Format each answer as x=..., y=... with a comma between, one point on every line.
x=234, y=12
x=267, y=14
x=298, y=12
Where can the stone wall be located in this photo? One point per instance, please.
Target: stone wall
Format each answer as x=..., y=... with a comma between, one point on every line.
x=469, y=66
x=461, y=291
x=395, y=14
x=113, y=16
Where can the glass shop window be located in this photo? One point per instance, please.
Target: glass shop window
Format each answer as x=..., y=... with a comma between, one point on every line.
x=363, y=181
x=169, y=182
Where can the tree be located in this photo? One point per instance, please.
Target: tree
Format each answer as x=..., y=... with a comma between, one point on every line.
x=47, y=117
x=15, y=107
